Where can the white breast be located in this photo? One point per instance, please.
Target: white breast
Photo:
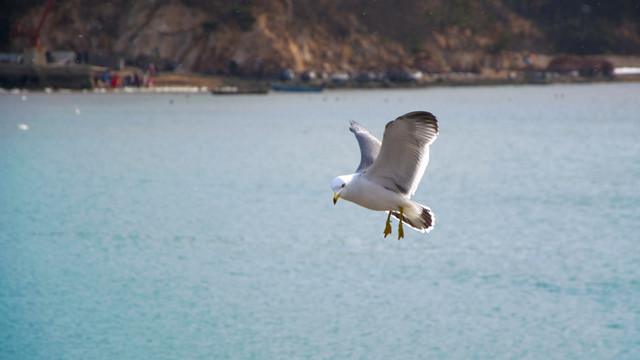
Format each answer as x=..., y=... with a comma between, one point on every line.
x=372, y=196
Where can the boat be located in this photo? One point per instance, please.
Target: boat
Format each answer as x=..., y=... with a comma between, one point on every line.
x=296, y=88
x=234, y=90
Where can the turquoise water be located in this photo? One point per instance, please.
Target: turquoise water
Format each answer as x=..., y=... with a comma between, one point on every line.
x=200, y=227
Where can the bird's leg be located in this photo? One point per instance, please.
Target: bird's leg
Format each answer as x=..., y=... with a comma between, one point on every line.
x=400, y=230
x=387, y=226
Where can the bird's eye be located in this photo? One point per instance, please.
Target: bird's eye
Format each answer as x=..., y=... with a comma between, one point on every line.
x=341, y=186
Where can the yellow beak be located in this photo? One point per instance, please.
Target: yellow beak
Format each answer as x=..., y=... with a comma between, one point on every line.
x=336, y=196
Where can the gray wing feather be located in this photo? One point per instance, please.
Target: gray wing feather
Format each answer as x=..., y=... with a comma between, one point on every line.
x=404, y=154
x=369, y=146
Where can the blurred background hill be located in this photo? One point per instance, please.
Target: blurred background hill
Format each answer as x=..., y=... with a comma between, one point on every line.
x=263, y=37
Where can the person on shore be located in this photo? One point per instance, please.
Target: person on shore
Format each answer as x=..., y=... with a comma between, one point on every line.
x=115, y=81
x=105, y=78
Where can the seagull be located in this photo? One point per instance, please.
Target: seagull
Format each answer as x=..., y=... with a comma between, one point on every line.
x=390, y=171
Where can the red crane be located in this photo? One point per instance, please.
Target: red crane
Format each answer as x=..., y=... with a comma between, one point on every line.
x=34, y=35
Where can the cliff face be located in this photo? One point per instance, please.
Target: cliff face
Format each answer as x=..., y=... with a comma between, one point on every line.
x=265, y=36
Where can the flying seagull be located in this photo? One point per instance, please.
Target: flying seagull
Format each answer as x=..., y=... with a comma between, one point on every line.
x=390, y=171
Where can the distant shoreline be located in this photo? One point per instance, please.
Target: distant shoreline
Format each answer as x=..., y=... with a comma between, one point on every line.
x=544, y=69
x=207, y=84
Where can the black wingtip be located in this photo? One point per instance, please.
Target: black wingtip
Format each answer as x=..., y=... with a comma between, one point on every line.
x=354, y=126
x=424, y=117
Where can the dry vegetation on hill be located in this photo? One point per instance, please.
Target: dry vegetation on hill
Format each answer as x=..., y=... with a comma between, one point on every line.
x=262, y=37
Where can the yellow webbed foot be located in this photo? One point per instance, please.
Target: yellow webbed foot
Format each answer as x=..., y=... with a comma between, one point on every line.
x=400, y=229
x=387, y=226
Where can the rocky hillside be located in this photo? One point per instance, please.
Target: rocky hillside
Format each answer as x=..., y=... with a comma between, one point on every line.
x=262, y=37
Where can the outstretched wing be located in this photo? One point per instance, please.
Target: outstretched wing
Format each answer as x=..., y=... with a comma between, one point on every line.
x=369, y=146
x=404, y=154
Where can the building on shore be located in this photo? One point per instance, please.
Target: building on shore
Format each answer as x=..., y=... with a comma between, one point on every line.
x=33, y=70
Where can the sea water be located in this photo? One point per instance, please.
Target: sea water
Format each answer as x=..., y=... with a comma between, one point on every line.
x=173, y=226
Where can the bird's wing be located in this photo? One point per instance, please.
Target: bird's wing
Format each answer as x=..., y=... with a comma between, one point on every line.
x=404, y=154
x=369, y=146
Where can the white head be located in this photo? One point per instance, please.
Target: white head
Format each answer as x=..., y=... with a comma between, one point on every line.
x=338, y=185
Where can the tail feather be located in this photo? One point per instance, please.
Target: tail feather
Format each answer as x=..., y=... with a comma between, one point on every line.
x=423, y=220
